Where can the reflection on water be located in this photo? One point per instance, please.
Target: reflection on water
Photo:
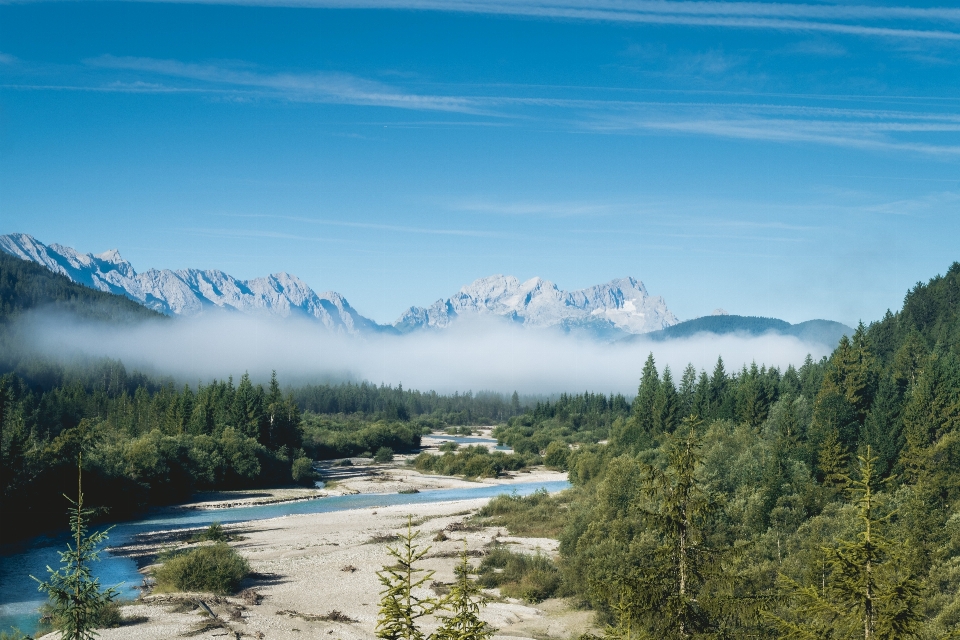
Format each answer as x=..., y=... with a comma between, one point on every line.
x=19, y=597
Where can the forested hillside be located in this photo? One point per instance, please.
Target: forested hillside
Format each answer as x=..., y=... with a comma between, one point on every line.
x=26, y=286
x=825, y=332
x=148, y=441
x=817, y=503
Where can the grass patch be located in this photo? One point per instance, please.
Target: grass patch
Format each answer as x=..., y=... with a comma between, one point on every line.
x=214, y=533
x=109, y=617
x=333, y=616
x=519, y=575
x=213, y=569
x=539, y=515
x=383, y=538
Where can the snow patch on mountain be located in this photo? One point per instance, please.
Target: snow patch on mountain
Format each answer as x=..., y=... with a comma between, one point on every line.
x=607, y=311
x=621, y=305
x=191, y=292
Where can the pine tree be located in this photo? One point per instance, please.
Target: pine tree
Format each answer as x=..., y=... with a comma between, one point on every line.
x=720, y=402
x=645, y=406
x=76, y=600
x=665, y=596
x=666, y=405
x=870, y=592
x=464, y=601
x=400, y=607
x=687, y=391
x=832, y=461
x=883, y=428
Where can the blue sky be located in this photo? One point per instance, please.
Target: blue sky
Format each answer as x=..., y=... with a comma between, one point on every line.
x=788, y=160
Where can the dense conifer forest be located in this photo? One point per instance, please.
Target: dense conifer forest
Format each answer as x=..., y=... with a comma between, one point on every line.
x=820, y=502
x=26, y=286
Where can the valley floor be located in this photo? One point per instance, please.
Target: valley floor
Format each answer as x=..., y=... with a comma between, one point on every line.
x=309, y=566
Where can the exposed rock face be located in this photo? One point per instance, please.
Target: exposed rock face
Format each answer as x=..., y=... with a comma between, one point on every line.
x=189, y=292
x=621, y=305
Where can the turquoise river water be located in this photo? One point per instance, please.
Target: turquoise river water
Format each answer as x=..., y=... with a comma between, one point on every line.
x=19, y=598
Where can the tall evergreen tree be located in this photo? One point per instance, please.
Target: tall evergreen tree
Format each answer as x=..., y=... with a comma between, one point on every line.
x=666, y=406
x=639, y=429
x=76, y=600
x=464, y=602
x=667, y=592
x=687, y=391
x=870, y=592
x=400, y=607
x=883, y=427
x=721, y=404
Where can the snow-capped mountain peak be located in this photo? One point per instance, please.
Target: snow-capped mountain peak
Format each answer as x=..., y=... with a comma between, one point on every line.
x=189, y=292
x=610, y=310
x=621, y=305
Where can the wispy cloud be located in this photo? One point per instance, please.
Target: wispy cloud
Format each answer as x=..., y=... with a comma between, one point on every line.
x=371, y=225
x=867, y=21
x=526, y=207
x=918, y=126
x=315, y=86
x=927, y=133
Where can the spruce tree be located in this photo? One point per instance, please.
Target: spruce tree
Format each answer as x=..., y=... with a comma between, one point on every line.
x=645, y=406
x=832, y=461
x=400, y=607
x=76, y=600
x=464, y=601
x=869, y=591
x=687, y=391
x=666, y=412
x=665, y=596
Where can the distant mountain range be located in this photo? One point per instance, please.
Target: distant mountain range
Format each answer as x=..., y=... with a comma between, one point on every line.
x=825, y=332
x=619, y=309
x=190, y=292
x=620, y=306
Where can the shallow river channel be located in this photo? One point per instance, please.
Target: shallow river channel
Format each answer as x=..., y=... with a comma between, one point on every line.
x=19, y=598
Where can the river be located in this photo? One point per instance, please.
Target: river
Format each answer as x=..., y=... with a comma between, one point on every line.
x=19, y=598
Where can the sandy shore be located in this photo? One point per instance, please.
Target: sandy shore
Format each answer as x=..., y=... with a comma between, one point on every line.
x=363, y=476
x=307, y=566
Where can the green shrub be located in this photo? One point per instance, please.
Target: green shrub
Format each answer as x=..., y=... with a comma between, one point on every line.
x=383, y=454
x=556, y=455
x=449, y=445
x=213, y=533
x=473, y=462
x=302, y=471
x=539, y=515
x=519, y=575
x=216, y=569
x=106, y=617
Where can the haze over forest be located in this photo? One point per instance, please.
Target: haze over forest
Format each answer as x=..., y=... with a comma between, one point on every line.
x=643, y=316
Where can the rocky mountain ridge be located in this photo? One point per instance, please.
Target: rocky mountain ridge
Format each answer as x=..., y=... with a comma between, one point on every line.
x=613, y=310
x=621, y=305
x=190, y=292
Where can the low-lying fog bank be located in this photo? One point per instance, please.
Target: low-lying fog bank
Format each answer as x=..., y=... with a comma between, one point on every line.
x=473, y=354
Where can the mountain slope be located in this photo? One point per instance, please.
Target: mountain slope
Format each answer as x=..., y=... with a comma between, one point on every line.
x=823, y=331
x=190, y=292
x=25, y=286
x=620, y=306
